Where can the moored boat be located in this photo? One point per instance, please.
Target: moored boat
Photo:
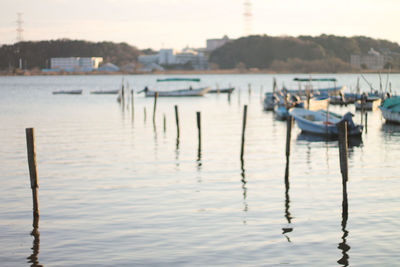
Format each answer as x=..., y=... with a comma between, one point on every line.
x=105, y=92
x=177, y=93
x=371, y=103
x=190, y=91
x=68, y=92
x=391, y=109
x=324, y=123
x=228, y=90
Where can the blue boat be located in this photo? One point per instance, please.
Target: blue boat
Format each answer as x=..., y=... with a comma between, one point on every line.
x=324, y=123
x=391, y=109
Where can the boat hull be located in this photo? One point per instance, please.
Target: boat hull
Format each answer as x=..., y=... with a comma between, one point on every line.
x=389, y=115
x=179, y=93
x=223, y=90
x=370, y=105
x=72, y=92
x=318, y=123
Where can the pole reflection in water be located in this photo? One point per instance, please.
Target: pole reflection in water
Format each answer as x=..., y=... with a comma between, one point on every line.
x=177, y=151
x=244, y=182
x=344, y=261
x=288, y=216
x=33, y=258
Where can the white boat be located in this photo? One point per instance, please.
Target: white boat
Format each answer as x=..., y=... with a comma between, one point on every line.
x=316, y=103
x=68, y=92
x=372, y=103
x=105, y=92
x=228, y=90
x=176, y=93
x=391, y=109
x=324, y=123
x=190, y=91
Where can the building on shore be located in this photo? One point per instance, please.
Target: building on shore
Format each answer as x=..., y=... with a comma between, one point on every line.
x=70, y=64
x=170, y=59
x=213, y=44
x=373, y=60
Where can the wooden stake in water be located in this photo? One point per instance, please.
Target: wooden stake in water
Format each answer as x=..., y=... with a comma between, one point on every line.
x=243, y=130
x=31, y=149
x=155, y=106
x=177, y=121
x=144, y=113
x=366, y=122
x=198, y=115
x=289, y=124
x=343, y=150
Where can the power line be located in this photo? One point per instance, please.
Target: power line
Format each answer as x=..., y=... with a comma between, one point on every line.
x=20, y=30
x=248, y=17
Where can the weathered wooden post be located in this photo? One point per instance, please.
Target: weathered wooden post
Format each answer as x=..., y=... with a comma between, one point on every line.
x=31, y=149
x=366, y=122
x=177, y=121
x=144, y=113
x=155, y=106
x=289, y=124
x=249, y=89
x=198, y=115
x=243, y=130
x=343, y=153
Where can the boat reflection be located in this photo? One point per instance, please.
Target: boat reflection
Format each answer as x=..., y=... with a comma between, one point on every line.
x=353, y=141
x=391, y=129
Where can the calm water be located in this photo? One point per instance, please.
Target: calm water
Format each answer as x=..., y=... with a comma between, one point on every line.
x=118, y=190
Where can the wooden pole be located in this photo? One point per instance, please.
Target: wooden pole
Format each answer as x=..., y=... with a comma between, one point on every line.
x=366, y=122
x=144, y=113
x=289, y=124
x=343, y=153
x=177, y=121
x=155, y=106
x=249, y=89
x=31, y=149
x=229, y=97
x=198, y=115
x=243, y=130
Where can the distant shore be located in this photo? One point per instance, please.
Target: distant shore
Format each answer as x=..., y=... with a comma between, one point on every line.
x=19, y=72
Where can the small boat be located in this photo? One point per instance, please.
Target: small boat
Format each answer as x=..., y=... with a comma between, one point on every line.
x=324, y=123
x=372, y=103
x=69, y=92
x=177, y=93
x=222, y=90
x=190, y=91
x=316, y=103
x=105, y=92
x=391, y=109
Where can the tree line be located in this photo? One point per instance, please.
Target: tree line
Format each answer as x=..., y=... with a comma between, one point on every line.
x=302, y=53
x=38, y=54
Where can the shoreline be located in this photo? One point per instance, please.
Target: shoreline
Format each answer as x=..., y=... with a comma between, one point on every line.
x=183, y=72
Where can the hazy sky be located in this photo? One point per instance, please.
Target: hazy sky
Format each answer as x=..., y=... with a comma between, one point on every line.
x=178, y=23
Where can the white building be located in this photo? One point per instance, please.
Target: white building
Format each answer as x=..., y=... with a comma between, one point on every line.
x=166, y=57
x=373, y=60
x=169, y=57
x=213, y=44
x=75, y=63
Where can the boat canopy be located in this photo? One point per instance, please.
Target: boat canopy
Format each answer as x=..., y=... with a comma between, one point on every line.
x=315, y=79
x=179, y=80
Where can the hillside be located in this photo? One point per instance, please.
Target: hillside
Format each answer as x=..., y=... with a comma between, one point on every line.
x=304, y=53
x=38, y=54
